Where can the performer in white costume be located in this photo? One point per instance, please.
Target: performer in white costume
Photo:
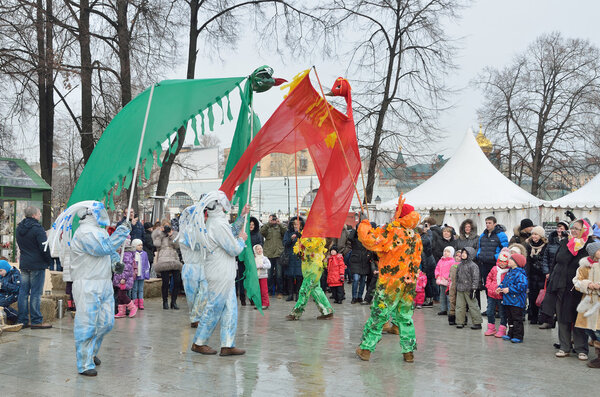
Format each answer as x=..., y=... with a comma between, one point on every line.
x=92, y=255
x=219, y=244
x=194, y=280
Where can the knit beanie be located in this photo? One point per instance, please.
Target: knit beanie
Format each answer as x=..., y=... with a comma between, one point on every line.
x=451, y=249
x=334, y=248
x=539, y=231
x=519, y=259
x=504, y=254
x=137, y=242
x=591, y=249
x=525, y=223
x=4, y=265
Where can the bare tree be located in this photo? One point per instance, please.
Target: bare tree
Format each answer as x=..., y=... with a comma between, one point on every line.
x=219, y=21
x=399, y=63
x=543, y=109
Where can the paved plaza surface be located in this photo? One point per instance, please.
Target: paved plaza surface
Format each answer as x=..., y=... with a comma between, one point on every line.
x=150, y=355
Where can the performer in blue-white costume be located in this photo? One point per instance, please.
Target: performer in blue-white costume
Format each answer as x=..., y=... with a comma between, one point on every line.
x=219, y=243
x=92, y=254
x=194, y=280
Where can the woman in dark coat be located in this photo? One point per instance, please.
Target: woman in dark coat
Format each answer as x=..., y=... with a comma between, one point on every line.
x=255, y=238
x=293, y=269
x=148, y=244
x=467, y=236
x=536, y=246
x=428, y=267
x=548, y=308
x=560, y=284
x=360, y=266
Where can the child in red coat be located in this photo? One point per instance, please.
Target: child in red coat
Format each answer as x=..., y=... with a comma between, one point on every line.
x=335, y=274
x=494, y=278
x=421, y=284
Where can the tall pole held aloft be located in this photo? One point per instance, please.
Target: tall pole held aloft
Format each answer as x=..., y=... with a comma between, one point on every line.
x=137, y=160
x=247, y=216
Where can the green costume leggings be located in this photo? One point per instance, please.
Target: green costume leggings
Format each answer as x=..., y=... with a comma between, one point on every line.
x=400, y=309
x=311, y=286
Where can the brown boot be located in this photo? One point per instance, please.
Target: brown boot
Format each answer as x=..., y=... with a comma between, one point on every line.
x=194, y=324
x=409, y=357
x=387, y=327
x=363, y=354
x=204, y=349
x=596, y=344
x=291, y=317
x=394, y=330
x=325, y=316
x=232, y=351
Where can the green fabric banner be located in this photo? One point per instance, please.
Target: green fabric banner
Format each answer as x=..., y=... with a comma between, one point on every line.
x=174, y=103
x=240, y=142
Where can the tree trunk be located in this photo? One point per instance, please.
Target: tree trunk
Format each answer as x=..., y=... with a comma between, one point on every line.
x=87, y=132
x=165, y=171
x=125, y=76
x=46, y=101
x=374, y=152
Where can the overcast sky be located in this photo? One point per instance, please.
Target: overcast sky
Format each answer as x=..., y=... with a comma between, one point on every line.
x=490, y=33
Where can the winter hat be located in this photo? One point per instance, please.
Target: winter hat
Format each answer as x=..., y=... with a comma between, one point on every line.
x=147, y=225
x=334, y=247
x=519, y=259
x=406, y=209
x=504, y=254
x=136, y=242
x=539, y=231
x=591, y=249
x=4, y=265
x=565, y=224
x=254, y=248
x=451, y=249
x=525, y=223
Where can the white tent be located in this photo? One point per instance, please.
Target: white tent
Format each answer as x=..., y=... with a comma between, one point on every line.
x=469, y=186
x=584, y=202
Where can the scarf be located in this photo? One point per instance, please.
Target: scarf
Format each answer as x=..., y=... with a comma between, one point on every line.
x=259, y=260
x=535, y=250
x=575, y=244
x=500, y=273
x=138, y=262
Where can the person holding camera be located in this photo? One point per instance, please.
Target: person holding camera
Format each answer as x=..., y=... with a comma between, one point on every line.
x=273, y=232
x=137, y=227
x=167, y=263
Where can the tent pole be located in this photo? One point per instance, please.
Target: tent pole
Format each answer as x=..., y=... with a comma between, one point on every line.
x=137, y=161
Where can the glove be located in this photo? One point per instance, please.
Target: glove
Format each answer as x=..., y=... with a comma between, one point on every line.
x=119, y=267
x=127, y=224
x=570, y=214
x=472, y=294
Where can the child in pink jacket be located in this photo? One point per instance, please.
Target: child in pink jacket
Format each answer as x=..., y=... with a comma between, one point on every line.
x=494, y=278
x=421, y=284
x=442, y=278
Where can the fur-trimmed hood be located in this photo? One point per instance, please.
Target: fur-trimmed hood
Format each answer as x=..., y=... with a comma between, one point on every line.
x=461, y=229
x=520, y=247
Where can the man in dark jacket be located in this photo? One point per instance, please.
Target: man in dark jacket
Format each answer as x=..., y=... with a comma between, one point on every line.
x=33, y=262
x=522, y=232
x=548, y=308
x=273, y=232
x=148, y=244
x=491, y=241
x=137, y=228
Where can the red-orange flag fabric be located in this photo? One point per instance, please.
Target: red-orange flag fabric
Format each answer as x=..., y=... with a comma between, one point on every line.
x=300, y=122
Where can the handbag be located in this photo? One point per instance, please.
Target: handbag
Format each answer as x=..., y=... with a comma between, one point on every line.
x=283, y=260
x=541, y=295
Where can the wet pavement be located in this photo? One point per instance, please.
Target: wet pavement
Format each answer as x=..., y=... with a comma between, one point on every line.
x=150, y=356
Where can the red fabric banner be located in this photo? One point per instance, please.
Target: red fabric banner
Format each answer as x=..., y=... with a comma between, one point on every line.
x=300, y=122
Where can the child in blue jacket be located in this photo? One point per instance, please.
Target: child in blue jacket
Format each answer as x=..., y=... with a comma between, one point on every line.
x=514, y=288
x=10, y=283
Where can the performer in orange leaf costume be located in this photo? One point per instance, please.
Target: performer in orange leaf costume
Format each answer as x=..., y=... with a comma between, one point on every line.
x=399, y=250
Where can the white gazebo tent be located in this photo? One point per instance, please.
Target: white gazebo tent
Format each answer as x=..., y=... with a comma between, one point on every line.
x=584, y=202
x=469, y=186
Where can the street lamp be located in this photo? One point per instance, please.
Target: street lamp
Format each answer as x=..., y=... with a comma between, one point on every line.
x=286, y=182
